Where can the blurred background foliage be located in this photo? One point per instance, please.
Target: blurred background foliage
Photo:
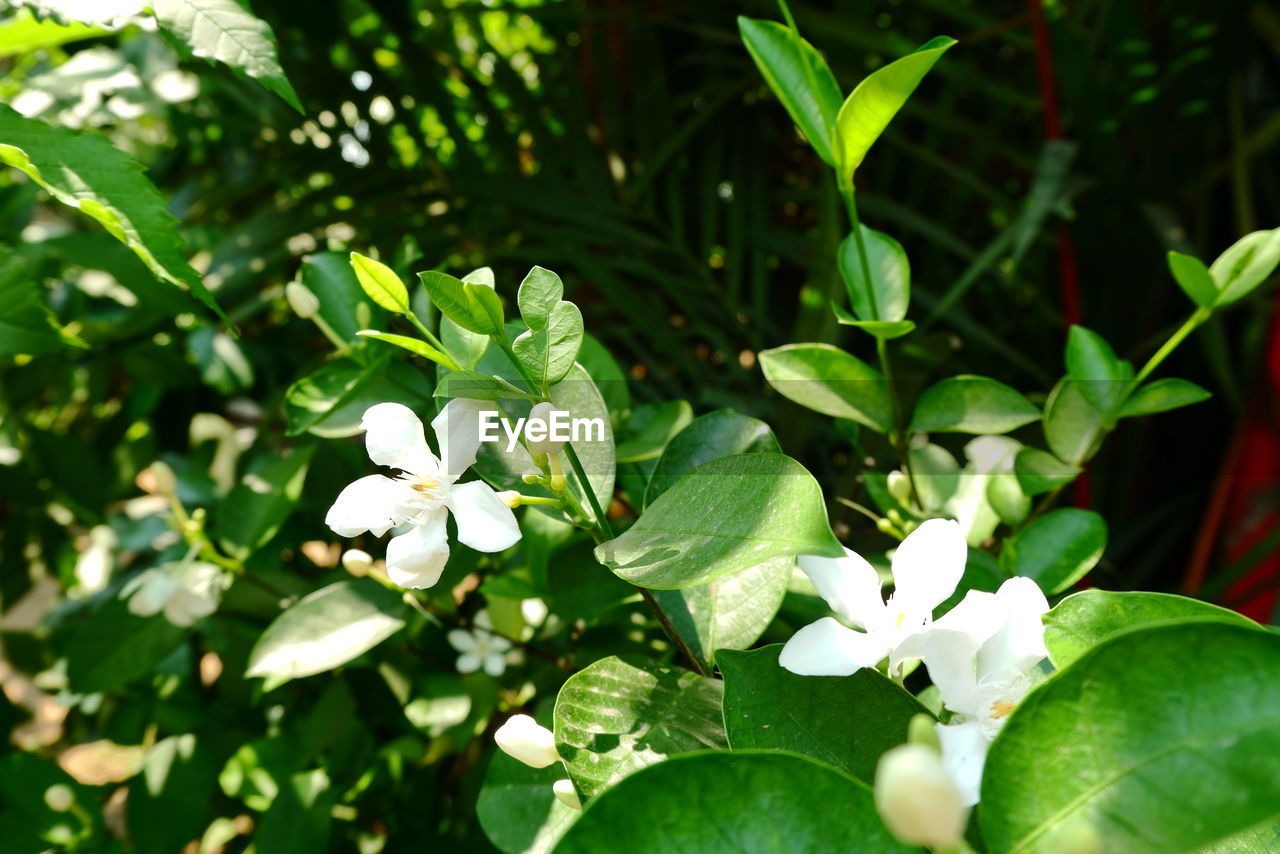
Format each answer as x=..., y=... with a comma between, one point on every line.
x=634, y=148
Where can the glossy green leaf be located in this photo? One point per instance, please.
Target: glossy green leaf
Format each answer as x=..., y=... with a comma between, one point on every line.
x=622, y=713
x=826, y=379
x=1194, y=278
x=716, y=434
x=723, y=517
x=226, y=31
x=877, y=99
x=754, y=802
x=1039, y=471
x=22, y=33
x=1104, y=379
x=1071, y=425
x=886, y=296
x=472, y=305
x=886, y=329
x=969, y=404
x=548, y=353
x=331, y=401
x=1163, y=395
x=257, y=506
x=1085, y=619
x=167, y=801
x=729, y=613
x=112, y=647
x=82, y=170
x=799, y=76
x=517, y=809
x=1246, y=264
x=846, y=722
x=652, y=428
x=380, y=283
x=413, y=345
x=1161, y=740
x=480, y=386
x=326, y=630
x=330, y=276
x=26, y=323
x=1057, y=549
x=540, y=292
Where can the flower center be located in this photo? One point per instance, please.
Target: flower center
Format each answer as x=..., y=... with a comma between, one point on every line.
x=1001, y=709
x=427, y=485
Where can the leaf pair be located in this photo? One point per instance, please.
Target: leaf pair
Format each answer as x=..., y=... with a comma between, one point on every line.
x=1242, y=267
x=550, y=346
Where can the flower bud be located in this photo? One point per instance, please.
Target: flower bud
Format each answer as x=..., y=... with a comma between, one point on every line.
x=900, y=487
x=304, y=303
x=917, y=800
x=921, y=731
x=509, y=497
x=357, y=562
x=163, y=478
x=522, y=738
x=542, y=412
x=566, y=794
x=60, y=798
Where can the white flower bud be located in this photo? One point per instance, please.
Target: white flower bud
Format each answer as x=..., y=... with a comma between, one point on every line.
x=304, y=303
x=357, y=562
x=163, y=478
x=509, y=497
x=917, y=799
x=542, y=412
x=522, y=738
x=60, y=798
x=566, y=794
x=899, y=487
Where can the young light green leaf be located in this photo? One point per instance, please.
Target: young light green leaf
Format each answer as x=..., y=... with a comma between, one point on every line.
x=711, y=436
x=1056, y=550
x=23, y=33
x=226, y=31
x=1163, y=740
x=1071, y=425
x=876, y=100
x=539, y=293
x=472, y=305
x=969, y=404
x=326, y=630
x=1085, y=619
x=723, y=517
x=764, y=803
x=380, y=283
x=826, y=379
x=1163, y=395
x=413, y=345
x=1246, y=264
x=1039, y=471
x=846, y=722
x=258, y=505
x=886, y=329
x=659, y=425
x=886, y=296
x=548, y=353
x=82, y=170
x=799, y=76
x=1194, y=278
x=1102, y=377
x=622, y=713
x=479, y=386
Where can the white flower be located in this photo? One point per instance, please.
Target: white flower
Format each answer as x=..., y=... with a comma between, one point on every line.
x=926, y=569
x=480, y=649
x=566, y=794
x=424, y=493
x=184, y=593
x=521, y=737
x=984, y=655
x=917, y=799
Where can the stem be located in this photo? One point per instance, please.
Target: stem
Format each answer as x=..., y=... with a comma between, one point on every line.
x=667, y=627
x=601, y=522
x=426, y=333
x=329, y=332
x=1199, y=316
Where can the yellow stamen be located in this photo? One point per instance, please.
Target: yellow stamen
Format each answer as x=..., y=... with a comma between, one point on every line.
x=1001, y=709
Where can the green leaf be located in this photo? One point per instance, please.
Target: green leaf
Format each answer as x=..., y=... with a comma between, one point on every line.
x=167, y=801
x=381, y=283
x=112, y=647
x=331, y=401
x=723, y=517
x=1163, y=395
x=326, y=630
x=1039, y=471
x=1071, y=425
x=1162, y=740
x=300, y=815
x=224, y=30
x=1104, y=379
x=413, y=345
x=479, y=386
x=799, y=76
x=877, y=99
x=846, y=722
x=540, y=292
x=826, y=379
x=969, y=404
x=1194, y=278
x=258, y=505
x=754, y=802
x=729, y=613
x=22, y=33
x=81, y=169
x=1246, y=264
x=886, y=329
x=1057, y=549
x=550, y=352
x=26, y=324
x=650, y=434
x=711, y=436
x=1085, y=619
x=886, y=296
x=330, y=276
x=474, y=306
x=465, y=346
x=517, y=810
x=622, y=713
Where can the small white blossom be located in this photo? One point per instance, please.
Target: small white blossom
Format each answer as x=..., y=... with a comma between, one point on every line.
x=480, y=649
x=917, y=798
x=185, y=594
x=566, y=794
x=523, y=738
x=357, y=562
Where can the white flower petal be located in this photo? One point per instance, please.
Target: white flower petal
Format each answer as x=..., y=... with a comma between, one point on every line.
x=964, y=752
x=494, y=665
x=566, y=794
x=151, y=592
x=457, y=430
x=469, y=662
x=952, y=661
x=485, y=523
x=369, y=504
x=394, y=438
x=523, y=738
x=461, y=640
x=828, y=648
x=917, y=798
x=1018, y=645
x=849, y=584
x=928, y=566
x=416, y=559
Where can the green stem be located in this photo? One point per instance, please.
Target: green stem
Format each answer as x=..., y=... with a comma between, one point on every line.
x=1199, y=316
x=670, y=629
x=601, y=522
x=424, y=331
